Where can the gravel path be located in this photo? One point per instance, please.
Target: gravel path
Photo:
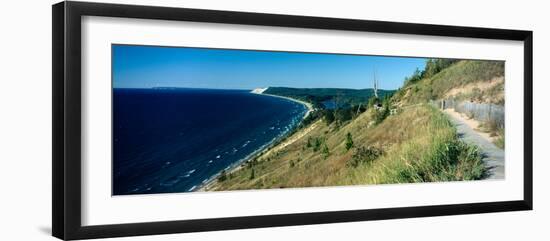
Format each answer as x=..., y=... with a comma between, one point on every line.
x=492, y=155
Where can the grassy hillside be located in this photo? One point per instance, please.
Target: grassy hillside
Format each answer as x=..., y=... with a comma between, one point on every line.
x=466, y=80
x=416, y=143
x=479, y=81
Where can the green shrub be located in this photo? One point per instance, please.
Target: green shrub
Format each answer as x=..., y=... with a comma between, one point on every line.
x=343, y=114
x=381, y=114
x=308, y=143
x=364, y=155
x=328, y=115
x=349, y=141
x=325, y=151
x=251, y=174
x=317, y=144
x=222, y=177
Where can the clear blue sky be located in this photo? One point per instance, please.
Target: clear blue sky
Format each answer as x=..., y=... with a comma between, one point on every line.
x=148, y=66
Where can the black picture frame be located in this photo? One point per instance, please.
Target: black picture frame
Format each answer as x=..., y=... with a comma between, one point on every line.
x=66, y=76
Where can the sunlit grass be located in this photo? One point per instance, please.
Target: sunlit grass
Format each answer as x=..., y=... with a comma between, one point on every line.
x=417, y=145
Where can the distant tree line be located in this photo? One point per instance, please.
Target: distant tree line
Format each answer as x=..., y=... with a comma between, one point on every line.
x=343, y=98
x=342, y=115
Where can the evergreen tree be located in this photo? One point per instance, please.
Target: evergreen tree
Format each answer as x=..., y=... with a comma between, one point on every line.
x=329, y=116
x=349, y=141
x=325, y=151
x=317, y=144
x=222, y=176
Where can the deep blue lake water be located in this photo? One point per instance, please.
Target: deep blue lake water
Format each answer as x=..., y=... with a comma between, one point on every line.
x=173, y=140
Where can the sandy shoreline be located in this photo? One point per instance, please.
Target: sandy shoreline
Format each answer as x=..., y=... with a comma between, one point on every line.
x=309, y=106
x=261, y=151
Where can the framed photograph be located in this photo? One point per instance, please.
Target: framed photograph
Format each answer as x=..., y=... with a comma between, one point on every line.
x=169, y=120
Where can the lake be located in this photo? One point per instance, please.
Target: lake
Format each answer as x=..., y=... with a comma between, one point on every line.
x=174, y=140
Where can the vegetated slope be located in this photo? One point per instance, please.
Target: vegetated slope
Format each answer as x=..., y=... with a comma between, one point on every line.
x=472, y=80
x=417, y=143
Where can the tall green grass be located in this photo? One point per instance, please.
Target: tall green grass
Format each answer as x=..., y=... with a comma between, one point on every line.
x=417, y=145
x=434, y=154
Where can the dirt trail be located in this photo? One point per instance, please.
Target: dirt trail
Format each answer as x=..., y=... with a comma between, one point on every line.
x=492, y=155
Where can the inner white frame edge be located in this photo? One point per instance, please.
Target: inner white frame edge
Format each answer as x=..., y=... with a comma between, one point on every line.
x=98, y=207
